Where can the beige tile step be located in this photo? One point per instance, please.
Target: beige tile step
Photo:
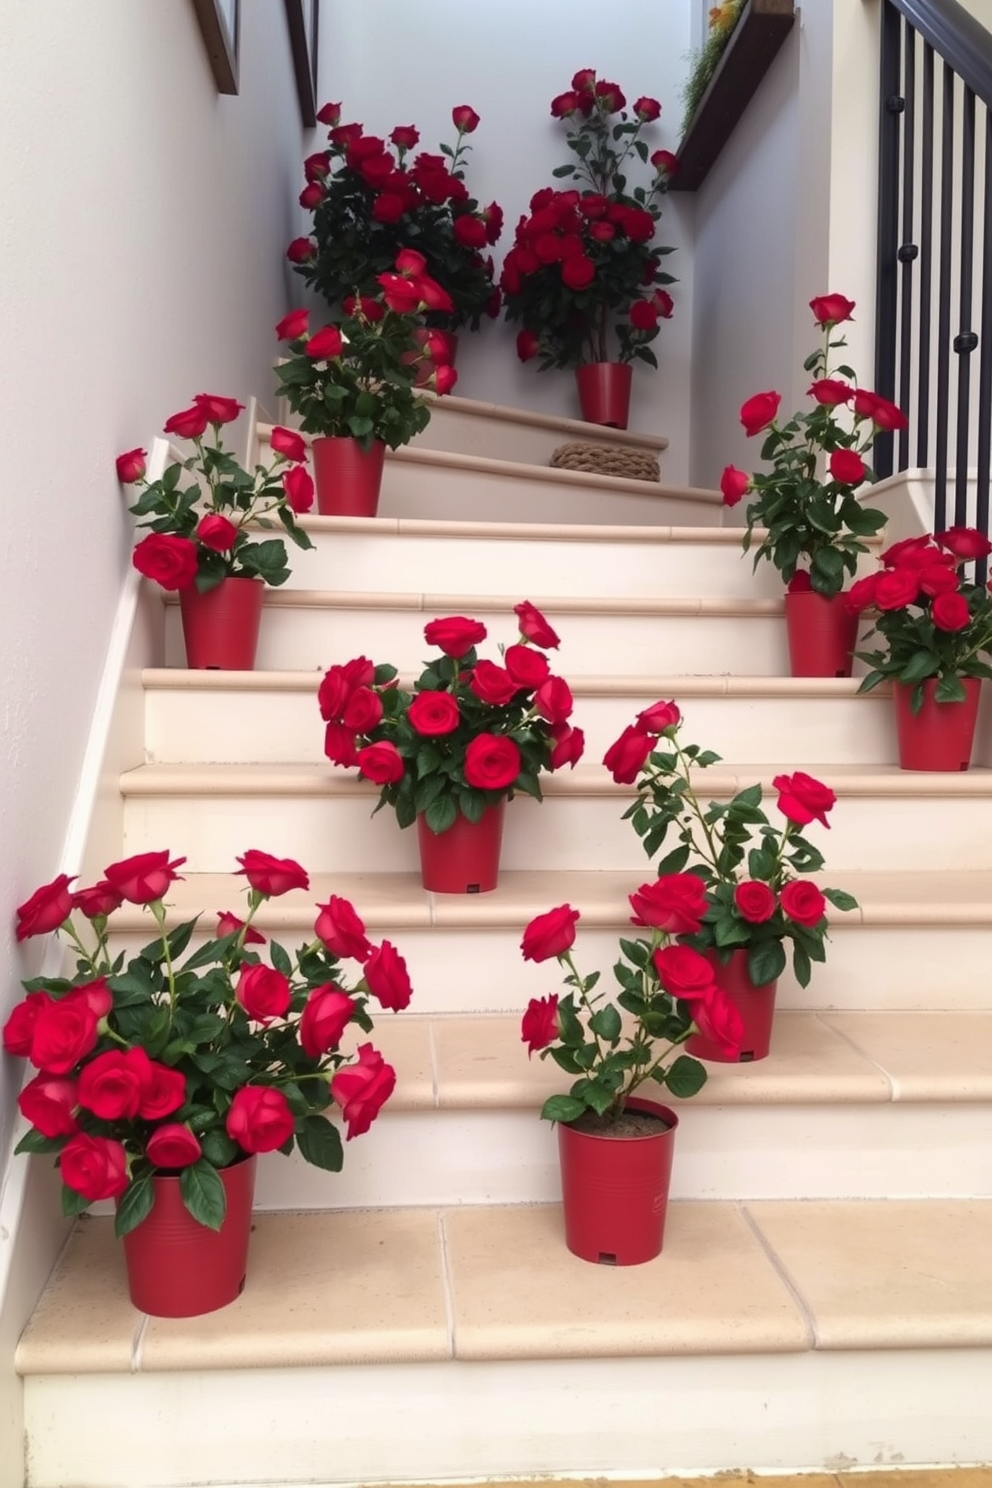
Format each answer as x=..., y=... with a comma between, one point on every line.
x=471, y=426
x=323, y=816
x=855, y=1323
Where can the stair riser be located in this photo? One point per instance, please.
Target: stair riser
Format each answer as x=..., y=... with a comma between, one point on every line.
x=564, y=832
x=272, y=727
x=465, y=433
x=541, y=566
x=298, y=639
x=456, y=968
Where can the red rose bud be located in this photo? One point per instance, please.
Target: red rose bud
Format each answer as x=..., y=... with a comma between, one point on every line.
x=362, y=1089
x=584, y=80
x=803, y=799
x=259, y=1119
x=665, y=163
x=298, y=486
x=317, y=166
x=534, y=627
x=528, y=345
x=325, y=344
x=173, y=1147
x=131, y=466
x=663, y=303
x=455, y=635
x=443, y=379
x=216, y=532
x=550, y=934
x=263, y=992
x=539, y=1025
x=734, y=484
x=803, y=903
x=97, y=901
x=272, y=876
x=643, y=314
x=293, y=325
x=190, y=423
x=387, y=977
x=94, y=1167
x=301, y=250
x=754, y=901
x=381, y=763
x=758, y=412
x=340, y=929
x=144, y=878
x=568, y=747
x=326, y=1014
x=329, y=114
x=492, y=762
x=405, y=136
x=625, y=758
x=218, y=410
x=719, y=1021
x=49, y=1103
x=167, y=560
x=229, y=924
x=47, y=909
x=847, y=466
x=553, y=700
x=465, y=119
x=647, y=109
x=311, y=196
x=831, y=309
x=288, y=443
x=659, y=718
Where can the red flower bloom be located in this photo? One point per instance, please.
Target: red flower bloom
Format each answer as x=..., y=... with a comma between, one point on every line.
x=847, y=466
x=578, y=272
x=143, y=878
x=271, y=876
x=94, y=1167
x=98, y=901
x=803, y=902
x=433, y=713
x=173, y=1147
x=527, y=667
x=190, y=423
x=755, y=901
x=387, y=977
x=675, y=903
x=228, y=924
x=216, y=532
x=455, y=635
x=49, y=1103
x=263, y=992
x=534, y=627
x=465, y=119
x=380, y=762
x=492, y=762
x=758, y=412
x=950, y=612
x=659, y=717
x=293, y=326
x=301, y=250
x=647, y=109
x=289, y=444
x=405, y=136
x=625, y=758
x=47, y=909
x=550, y=934
x=831, y=309
x=568, y=747
x=684, y=972
x=802, y=799
x=492, y=684
x=325, y=344
x=896, y=588
x=326, y=1015
x=965, y=542
x=539, y=1025
x=734, y=484
x=297, y=483
x=362, y=1089
x=167, y=560
x=218, y=410
x=553, y=700
x=259, y=1119
x=528, y=345
x=131, y=466
x=341, y=930
x=831, y=392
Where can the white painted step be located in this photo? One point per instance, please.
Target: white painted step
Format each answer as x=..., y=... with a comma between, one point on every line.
x=917, y=941
x=272, y=717
x=469, y=426
x=303, y=628
x=820, y=1328
x=322, y=816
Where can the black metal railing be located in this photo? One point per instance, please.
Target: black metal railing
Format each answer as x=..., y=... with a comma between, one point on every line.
x=934, y=276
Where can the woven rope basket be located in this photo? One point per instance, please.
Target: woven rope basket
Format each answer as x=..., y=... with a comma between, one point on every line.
x=607, y=459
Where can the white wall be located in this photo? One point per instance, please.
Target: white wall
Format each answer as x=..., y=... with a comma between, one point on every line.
x=392, y=63
x=143, y=221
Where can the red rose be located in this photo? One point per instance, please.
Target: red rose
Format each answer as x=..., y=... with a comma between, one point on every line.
x=229, y=924
x=298, y=486
x=647, y=109
x=800, y=583
x=659, y=717
x=454, y=635
x=950, y=612
x=643, y=315
x=584, y=80
x=443, y=379
x=293, y=325
x=847, y=466
x=362, y=711
x=896, y=588
x=405, y=136
x=288, y=443
x=317, y=166
x=131, y=466
x=311, y=196
x=675, y=903
x=360, y=307
x=663, y=302
x=939, y=578
x=387, y=977
x=861, y=595
x=568, y=746
x=758, y=412
x=362, y=1089
x=49, y=1103
x=164, y=1091
x=578, y=272
x=94, y=1167
x=917, y=552
x=143, y=878
x=173, y=1146
x=719, y=1020
x=534, y=627
x=433, y=713
x=830, y=391
x=345, y=134
x=112, y=1084
x=167, y=560
x=638, y=225
x=329, y=114
x=528, y=345
x=492, y=762
x=527, y=667
x=831, y=309
x=665, y=163
x=341, y=930
x=259, y=1119
x=625, y=758
x=469, y=231
x=492, y=684
x=324, y=344
x=363, y=147
x=18, y=1031
x=326, y=1014
x=605, y=232
x=96, y=902
x=340, y=745
x=334, y=691
x=388, y=207
x=564, y=105
x=539, y=1025
x=381, y=763
x=218, y=410
x=965, y=543
x=216, y=532
x=432, y=296
x=755, y=901
x=96, y=995
x=47, y=908
x=465, y=119
x=301, y=250
x=272, y=876
x=401, y=295
x=553, y=700
x=803, y=799
x=550, y=934
x=803, y=902
x=734, y=484
x=883, y=414
x=189, y=423
x=684, y=972
x=263, y=992
x=610, y=96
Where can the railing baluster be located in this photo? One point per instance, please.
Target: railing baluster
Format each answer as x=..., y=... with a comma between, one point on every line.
x=944, y=299
x=926, y=263
x=886, y=287
x=908, y=249
x=966, y=340
x=984, y=467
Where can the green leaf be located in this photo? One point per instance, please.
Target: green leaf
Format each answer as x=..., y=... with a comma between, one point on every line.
x=950, y=690
x=33, y=1141
x=562, y=1108
x=801, y=964
x=280, y=958
x=765, y=962
x=674, y=862
x=319, y=1142
x=203, y=1194
x=606, y=1023
x=73, y=1202
x=686, y=1077
x=134, y=1206
x=441, y=814
x=840, y=899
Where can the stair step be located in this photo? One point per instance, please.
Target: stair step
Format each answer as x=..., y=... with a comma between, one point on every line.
x=322, y=816
x=269, y=717
x=472, y=427
x=852, y=1322
x=914, y=942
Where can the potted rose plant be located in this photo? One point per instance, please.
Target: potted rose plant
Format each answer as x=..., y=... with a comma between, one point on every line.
x=160, y=1081
x=814, y=525
x=611, y=1137
x=201, y=537
x=452, y=751
x=934, y=625
x=372, y=197
x=584, y=277
x=352, y=382
x=751, y=874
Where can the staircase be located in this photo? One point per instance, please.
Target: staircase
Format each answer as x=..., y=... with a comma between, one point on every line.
x=824, y=1298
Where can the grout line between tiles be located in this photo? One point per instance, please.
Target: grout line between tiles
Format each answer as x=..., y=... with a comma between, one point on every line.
x=447, y=1283
x=863, y=1053
x=782, y=1271
x=138, y=1341
x=432, y=1051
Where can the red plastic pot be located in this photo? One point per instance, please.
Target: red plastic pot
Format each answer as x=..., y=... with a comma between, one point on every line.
x=941, y=735
x=604, y=392
x=615, y=1190
x=465, y=858
x=347, y=477
x=756, y=1006
x=221, y=627
x=822, y=634
x=177, y=1267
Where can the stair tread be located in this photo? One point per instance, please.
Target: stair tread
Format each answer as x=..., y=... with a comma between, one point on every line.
x=502, y=605
x=376, y=1286
x=578, y=428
